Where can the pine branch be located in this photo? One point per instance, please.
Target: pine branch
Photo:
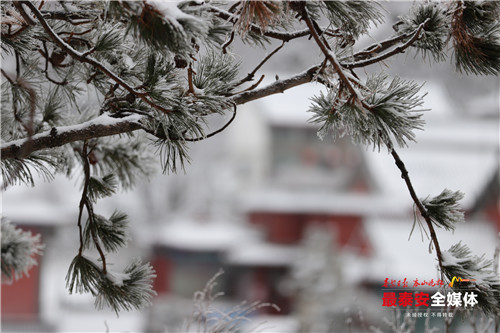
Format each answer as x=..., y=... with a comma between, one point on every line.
x=444, y=210
x=98, y=127
x=458, y=261
x=107, y=126
x=250, y=75
x=376, y=48
x=85, y=58
x=278, y=86
x=399, y=49
x=404, y=174
x=83, y=199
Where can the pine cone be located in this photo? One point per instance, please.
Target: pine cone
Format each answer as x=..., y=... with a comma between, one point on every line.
x=180, y=62
x=57, y=58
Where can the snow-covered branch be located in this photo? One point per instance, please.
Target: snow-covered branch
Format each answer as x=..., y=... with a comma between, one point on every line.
x=95, y=128
x=278, y=86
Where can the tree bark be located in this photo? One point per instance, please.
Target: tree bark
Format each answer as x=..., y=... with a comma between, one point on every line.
x=99, y=127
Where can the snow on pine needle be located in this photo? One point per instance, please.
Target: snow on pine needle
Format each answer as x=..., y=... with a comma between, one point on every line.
x=19, y=250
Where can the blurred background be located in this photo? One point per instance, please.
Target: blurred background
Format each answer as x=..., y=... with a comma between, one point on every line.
x=312, y=226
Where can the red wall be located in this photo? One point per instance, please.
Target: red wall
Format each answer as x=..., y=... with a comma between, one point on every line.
x=288, y=228
x=493, y=214
x=20, y=299
x=163, y=268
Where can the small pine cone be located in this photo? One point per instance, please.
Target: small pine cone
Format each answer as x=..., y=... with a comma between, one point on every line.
x=92, y=158
x=130, y=98
x=180, y=62
x=195, y=45
x=57, y=58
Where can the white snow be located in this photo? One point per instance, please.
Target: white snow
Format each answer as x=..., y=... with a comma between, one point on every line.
x=173, y=14
x=283, y=200
x=262, y=254
x=117, y=278
x=169, y=9
x=204, y=236
x=104, y=120
x=449, y=259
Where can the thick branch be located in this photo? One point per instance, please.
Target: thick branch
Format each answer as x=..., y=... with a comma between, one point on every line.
x=277, y=87
x=404, y=174
x=107, y=126
x=99, y=127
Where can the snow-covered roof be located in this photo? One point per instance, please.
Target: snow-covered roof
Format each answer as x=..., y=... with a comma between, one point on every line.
x=396, y=257
x=204, y=236
x=288, y=201
x=458, y=155
x=262, y=254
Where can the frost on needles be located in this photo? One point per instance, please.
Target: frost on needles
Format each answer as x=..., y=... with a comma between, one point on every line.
x=458, y=261
x=444, y=209
x=95, y=84
x=390, y=112
x=19, y=250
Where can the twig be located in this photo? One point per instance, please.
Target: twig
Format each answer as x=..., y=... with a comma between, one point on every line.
x=18, y=65
x=23, y=13
x=86, y=170
x=84, y=202
x=46, y=56
x=284, y=36
x=217, y=131
x=404, y=174
x=190, y=80
x=165, y=137
x=252, y=87
x=226, y=44
x=277, y=86
x=399, y=49
x=250, y=75
x=90, y=212
x=378, y=47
